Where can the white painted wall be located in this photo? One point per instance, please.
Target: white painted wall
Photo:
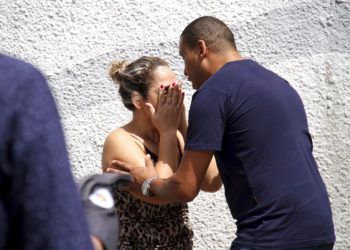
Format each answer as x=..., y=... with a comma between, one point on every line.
x=305, y=41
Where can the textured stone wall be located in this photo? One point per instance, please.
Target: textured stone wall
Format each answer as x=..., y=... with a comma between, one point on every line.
x=305, y=41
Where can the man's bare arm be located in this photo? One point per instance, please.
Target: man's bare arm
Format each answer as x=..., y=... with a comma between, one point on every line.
x=212, y=179
x=183, y=186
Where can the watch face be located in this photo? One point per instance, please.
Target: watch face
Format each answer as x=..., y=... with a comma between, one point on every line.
x=144, y=187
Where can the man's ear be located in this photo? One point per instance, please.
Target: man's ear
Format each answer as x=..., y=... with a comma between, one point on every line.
x=202, y=48
x=136, y=99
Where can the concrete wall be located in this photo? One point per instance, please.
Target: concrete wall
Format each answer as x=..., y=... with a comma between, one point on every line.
x=305, y=41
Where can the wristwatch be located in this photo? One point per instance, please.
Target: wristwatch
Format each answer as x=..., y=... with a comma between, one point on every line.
x=146, y=185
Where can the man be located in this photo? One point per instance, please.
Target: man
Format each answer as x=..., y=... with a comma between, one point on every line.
x=255, y=124
x=39, y=204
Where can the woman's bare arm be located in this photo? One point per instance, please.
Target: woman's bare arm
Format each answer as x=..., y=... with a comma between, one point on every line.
x=119, y=145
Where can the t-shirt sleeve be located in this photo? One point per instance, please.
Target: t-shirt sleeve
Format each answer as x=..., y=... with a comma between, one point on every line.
x=207, y=119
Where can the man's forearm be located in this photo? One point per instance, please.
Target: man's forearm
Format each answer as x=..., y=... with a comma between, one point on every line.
x=170, y=190
x=185, y=184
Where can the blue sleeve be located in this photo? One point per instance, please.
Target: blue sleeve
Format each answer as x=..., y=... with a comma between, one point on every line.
x=207, y=119
x=44, y=209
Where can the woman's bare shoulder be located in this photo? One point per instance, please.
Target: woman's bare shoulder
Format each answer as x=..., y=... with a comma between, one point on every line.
x=120, y=145
x=122, y=136
x=116, y=134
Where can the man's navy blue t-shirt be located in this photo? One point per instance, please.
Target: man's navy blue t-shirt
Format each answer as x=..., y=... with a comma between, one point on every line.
x=255, y=123
x=39, y=203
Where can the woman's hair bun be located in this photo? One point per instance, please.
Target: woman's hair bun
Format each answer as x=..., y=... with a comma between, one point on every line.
x=116, y=69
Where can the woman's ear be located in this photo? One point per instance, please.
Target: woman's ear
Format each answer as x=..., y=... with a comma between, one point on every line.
x=137, y=100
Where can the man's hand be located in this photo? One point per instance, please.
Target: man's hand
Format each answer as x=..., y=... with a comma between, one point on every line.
x=140, y=174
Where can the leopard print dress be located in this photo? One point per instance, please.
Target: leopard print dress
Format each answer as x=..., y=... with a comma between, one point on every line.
x=146, y=226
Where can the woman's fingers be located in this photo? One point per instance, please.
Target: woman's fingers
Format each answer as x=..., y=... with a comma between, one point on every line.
x=170, y=94
x=171, y=97
x=177, y=95
x=174, y=95
x=170, y=105
x=181, y=101
x=161, y=96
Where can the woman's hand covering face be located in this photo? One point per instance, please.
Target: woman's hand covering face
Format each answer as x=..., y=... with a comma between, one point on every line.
x=170, y=103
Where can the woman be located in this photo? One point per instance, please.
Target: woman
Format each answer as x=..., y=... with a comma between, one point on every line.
x=146, y=222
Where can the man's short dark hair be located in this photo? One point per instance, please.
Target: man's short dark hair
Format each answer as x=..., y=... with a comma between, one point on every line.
x=216, y=34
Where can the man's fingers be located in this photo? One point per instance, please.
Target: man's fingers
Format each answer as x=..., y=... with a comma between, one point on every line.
x=148, y=161
x=121, y=185
x=121, y=173
x=113, y=170
x=121, y=166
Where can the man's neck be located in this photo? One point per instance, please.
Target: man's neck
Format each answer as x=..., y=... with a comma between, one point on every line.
x=218, y=60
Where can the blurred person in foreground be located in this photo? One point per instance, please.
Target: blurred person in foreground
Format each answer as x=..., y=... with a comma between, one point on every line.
x=40, y=207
